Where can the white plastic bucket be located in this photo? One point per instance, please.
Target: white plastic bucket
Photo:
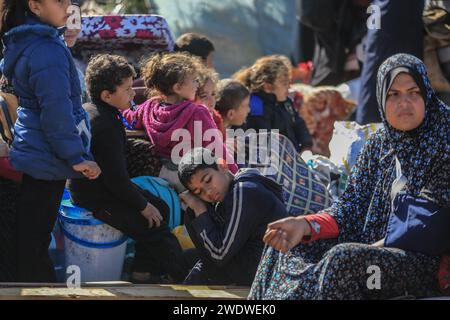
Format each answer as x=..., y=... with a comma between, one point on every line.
x=95, y=247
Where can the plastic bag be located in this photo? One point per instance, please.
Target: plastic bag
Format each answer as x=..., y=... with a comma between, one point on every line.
x=334, y=177
x=347, y=141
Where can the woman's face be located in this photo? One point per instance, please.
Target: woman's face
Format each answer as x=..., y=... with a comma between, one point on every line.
x=53, y=12
x=405, y=108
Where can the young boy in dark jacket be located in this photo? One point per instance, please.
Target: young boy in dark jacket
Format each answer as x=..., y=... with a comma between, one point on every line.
x=227, y=217
x=113, y=198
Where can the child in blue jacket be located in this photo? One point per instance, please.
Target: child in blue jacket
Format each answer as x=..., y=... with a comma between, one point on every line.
x=52, y=134
x=270, y=106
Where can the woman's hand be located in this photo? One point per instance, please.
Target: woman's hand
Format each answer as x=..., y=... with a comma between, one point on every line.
x=89, y=169
x=193, y=202
x=285, y=234
x=152, y=215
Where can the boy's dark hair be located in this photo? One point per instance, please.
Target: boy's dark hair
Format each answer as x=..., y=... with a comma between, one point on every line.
x=193, y=161
x=196, y=44
x=230, y=94
x=106, y=72
x=14, y=13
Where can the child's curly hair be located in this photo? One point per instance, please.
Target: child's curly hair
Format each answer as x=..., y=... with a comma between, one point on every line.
x=162, y=71
x=265, y=70
x=106, y=72
x=205, y=75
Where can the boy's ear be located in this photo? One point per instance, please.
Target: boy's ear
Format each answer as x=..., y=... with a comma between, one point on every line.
x=105, y=96
x=230, y=114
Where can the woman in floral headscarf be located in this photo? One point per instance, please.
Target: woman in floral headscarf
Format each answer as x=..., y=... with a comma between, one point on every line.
x=349, y=261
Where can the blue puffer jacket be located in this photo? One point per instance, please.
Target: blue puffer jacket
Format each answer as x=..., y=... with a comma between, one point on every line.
x=52, y=131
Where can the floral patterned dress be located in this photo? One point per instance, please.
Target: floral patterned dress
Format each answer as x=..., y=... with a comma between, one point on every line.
x=347, y=267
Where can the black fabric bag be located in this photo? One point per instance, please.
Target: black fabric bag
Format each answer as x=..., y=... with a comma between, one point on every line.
x=417, y=224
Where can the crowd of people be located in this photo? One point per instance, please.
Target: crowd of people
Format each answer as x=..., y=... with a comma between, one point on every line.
x=235, y=216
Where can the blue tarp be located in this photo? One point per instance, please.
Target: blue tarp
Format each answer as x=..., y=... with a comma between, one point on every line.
x=241, y=30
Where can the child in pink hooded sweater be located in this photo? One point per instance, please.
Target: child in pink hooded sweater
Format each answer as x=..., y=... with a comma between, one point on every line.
x=173, y=78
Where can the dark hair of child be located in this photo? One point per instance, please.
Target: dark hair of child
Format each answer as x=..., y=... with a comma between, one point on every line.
x=230, y=94
x=195, y=160
x=106, y=72
x=194, y=43
x=14, y=13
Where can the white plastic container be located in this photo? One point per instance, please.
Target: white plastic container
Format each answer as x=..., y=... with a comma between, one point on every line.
x=95, y=247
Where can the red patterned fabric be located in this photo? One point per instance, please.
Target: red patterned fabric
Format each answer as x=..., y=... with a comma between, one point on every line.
x=130, y=35
x=320, y=109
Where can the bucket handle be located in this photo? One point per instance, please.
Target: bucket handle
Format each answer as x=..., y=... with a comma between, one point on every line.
x=95, y=245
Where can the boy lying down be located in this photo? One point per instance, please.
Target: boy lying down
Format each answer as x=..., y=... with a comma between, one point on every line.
x=227, y=217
